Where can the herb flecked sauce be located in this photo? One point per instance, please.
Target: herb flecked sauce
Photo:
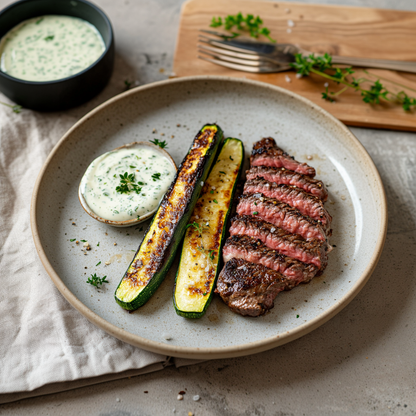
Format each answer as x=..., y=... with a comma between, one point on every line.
x=49, y=48
x=152, y=171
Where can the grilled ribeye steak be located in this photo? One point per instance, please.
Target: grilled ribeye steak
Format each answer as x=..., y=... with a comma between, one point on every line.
x=248, y=288
x=282, y=215
x=289, y=177
x=267, y=153
x=307, y=204
x=293, y=245
x=254, y=251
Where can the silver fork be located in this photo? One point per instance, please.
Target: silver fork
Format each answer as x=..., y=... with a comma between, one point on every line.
x=251, y=56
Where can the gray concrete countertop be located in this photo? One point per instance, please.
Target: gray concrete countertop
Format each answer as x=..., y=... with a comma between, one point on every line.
x=362, y=362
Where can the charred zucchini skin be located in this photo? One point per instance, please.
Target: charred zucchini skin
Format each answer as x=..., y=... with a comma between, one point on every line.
x=232, y=153
x=156, y=253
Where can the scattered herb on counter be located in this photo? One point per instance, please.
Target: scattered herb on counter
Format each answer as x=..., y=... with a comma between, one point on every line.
x=127, y=184
x=127, y=84
x=373, y=94
x=297, y=316
x=161, y=143
x=156, y=177
x=96, y=280
x=98, y=263
x=84, y=241
x=72, y=239
x=250, y=24
x=16, y=108
x=98, y=244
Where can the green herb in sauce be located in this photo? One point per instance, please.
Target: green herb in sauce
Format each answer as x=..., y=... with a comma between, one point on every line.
x=49, y=48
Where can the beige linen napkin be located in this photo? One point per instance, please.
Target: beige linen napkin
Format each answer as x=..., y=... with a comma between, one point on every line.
x=44, y=341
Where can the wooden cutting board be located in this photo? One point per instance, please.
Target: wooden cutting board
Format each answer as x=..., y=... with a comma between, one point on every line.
x=339, y=30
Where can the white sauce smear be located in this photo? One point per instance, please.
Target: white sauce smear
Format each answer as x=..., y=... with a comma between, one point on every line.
x=48, y=48
x=152, y=174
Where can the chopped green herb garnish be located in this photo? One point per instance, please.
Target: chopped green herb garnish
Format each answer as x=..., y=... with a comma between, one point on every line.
x=205, y=293
x=98, y=263
x=96, y=280
x=127, y=184
x=212, y=254
x=195, y=225
x=39, y=20
x=211, y=191
x=375, y=93
x=48, y=38
x=215, y=201
x=255, y=203
x=72, y=239
x=297, y=316
x=161, y=143
x=98, y=244
x=127, y=84
x=132, y=167
x=231, y=159
x=255, y=213
x=156, y=177
x=250, y=24
x=222, y=172
x=84, y=241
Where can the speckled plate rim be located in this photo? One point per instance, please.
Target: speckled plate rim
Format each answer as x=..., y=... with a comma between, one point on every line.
x=234, y=350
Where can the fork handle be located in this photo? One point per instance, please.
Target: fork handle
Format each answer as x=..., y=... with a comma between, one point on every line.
x=404, y=66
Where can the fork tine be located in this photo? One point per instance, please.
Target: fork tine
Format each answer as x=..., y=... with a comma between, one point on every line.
x=263, y=69
x=218, y=34
x=232, y=66
x=224, y=45
x=230, y=58
x=229, y=53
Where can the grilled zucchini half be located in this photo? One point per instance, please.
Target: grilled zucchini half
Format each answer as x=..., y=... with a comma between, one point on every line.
x=201, y=252
x=157, y=250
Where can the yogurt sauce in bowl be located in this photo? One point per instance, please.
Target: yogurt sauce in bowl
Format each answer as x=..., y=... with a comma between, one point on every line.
x=125, y=186
x=51, y=47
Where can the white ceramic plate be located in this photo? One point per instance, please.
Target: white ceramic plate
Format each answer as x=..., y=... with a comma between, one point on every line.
x=244, y=109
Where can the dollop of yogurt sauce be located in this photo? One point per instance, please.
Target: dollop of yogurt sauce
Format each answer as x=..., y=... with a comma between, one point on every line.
x=111, y=198
x=50, y=47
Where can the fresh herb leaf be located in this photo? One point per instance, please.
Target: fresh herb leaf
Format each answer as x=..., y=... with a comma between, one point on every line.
x=84, y=241
x=127, y=184
x=231, y=159
x=255, y=213
x=212, y=254
x=374, y=94
x=16, y=108
x=98, y=244
x=132, y=167
x=211, y=191
x=72, y=239
x=297, y=316
x=161, y=143
x=97, y=280
x=39, y=20
x=98, y=263
x=49, y=38
x=127, y=84
x=215, y=201
x=222, y=172
x=196, y=226
x=249, y=23
x=156, y=177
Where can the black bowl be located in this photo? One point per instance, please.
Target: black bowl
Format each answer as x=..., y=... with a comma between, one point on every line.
x=67, y=92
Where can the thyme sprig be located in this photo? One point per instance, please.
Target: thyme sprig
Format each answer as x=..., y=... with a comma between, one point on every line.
x=210, y=253
x=16, y=108
x=250, y=24
x=97, y=280
x=161, y=143
x=127, y=184
x=375, y=93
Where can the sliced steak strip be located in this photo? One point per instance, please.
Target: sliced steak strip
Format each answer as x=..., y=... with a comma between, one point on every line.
x=306, y=203
x=254, y=251
x=293, y=245
x=267, y=153
x=288, y=177
x=282, y=215
x=248, y=288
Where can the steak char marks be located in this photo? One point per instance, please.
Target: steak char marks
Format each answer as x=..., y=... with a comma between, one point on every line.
x=267, y=153
x=307, y=204
x=288, y=177
x=279, y=238
x=250, y=289
x=293, y=245
x=254, y=251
